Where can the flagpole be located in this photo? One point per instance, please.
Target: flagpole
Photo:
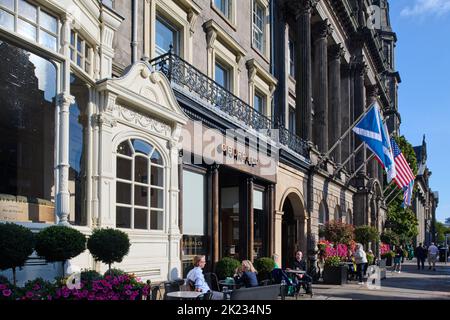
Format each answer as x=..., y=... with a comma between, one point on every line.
x=330, y=150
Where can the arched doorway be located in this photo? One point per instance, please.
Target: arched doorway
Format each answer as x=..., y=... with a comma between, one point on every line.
x=338, y=214
x=293, y=228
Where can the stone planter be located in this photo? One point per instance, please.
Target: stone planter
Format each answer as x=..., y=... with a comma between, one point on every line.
x=335, y=275
x=382, y=266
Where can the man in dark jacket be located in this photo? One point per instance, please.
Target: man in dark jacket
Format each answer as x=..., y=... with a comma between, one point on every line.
x=421, y=254
x=302, y=279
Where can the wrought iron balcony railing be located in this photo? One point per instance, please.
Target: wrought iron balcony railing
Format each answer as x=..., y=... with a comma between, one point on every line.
x=186, y=76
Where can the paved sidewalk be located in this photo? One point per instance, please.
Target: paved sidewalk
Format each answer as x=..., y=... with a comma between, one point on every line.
x=409, y=284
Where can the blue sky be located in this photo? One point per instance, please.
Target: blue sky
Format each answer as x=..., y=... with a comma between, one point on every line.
x=423, y=60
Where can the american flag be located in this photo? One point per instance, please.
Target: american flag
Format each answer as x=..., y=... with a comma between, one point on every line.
x=404, y=174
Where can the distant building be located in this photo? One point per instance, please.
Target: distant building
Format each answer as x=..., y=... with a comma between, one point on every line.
x=425, y=200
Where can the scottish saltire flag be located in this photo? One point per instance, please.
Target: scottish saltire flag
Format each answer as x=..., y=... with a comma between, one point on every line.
x=373, y=132
x=407, y=194
x=405, y=177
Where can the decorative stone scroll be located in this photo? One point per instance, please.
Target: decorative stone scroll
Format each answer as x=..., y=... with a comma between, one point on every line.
x=143, y=121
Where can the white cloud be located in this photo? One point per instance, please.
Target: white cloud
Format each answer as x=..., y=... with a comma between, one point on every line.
x=427, y=7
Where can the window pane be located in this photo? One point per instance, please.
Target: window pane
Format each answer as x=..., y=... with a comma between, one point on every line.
x=259, y=103
x=141, y=169
x=26, y=29
x=79, y=45
x=48, y=22
x=292, y=120
x=27, y=133
x=165, y=37
x=123, y=193
x=8, y=4
x=6, y=20
x=140, y=219
x=141, y=196
x=193, y=203
x=72, y=38
x=123, y=168
x=27, y=10
x=47, y=40
x=78, y=60
x=124, y=148
x=222, y=76
x=141, y=147
x=156, y=220
x=157, y=178
x=123, y=217
x=156, y=158
x=157, y=197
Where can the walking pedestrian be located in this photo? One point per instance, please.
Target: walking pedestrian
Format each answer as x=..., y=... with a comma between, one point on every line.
x=398, y=259
x=432, y=256
x=420, y=254
x=361, y=261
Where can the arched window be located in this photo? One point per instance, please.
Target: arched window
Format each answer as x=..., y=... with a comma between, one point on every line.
x=323, y=214
x=139, y=186
x=338, y=214
x=349, y=217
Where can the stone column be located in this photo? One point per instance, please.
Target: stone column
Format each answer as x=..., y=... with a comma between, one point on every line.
x=334, y=94
x=360, y=107
x=63, y=195
x=303, y=69
x=251, y=219
x=346, y=118
x=271, y=218
x=214, y=172
x=321, y=30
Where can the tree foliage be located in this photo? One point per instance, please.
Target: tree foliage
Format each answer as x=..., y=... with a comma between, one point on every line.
x=338, y=232
x=366, y=234
x=403, y=222
x=441, y=231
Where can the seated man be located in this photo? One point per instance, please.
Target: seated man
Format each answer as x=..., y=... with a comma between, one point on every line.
x=198, y=279
x=301, y=279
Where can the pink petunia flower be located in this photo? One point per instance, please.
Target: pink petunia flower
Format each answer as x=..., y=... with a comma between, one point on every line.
x=7, y=293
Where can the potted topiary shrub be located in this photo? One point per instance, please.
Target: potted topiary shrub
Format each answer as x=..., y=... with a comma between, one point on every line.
x=264, y=266
x=334, y=272
x=226, y=267
x=16, y=245
x=59, y=244
x=366, y=234
x=108, y=246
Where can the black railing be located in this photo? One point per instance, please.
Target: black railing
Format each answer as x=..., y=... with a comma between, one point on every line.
x=180, y=72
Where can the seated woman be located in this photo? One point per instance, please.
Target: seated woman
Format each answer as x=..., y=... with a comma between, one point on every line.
x=198, y=280
x=246, y=275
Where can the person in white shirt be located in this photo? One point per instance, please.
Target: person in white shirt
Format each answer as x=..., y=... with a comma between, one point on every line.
x=433, y=251
x=361, y=262
x=198, y=279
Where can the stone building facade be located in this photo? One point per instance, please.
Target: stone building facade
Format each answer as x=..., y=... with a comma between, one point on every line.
x=144, y=94
x=425, y=200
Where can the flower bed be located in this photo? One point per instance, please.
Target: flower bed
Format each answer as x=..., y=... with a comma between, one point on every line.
x=120, y=287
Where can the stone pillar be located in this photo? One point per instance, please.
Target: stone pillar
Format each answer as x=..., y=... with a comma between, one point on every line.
x=303, y=69
x=214, y=172
x=335, y=102
x=251, y=219
x=321, y=31
x=271, y=218
x=360, y=107
x=346, y=117
x=63, y=195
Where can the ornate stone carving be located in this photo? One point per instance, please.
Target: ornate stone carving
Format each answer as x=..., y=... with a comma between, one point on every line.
x=302, y=6
x=143, y=121
x=110, y=103
x=336, y=51
x=103, y=119
x=322, y=29
x=64, y=100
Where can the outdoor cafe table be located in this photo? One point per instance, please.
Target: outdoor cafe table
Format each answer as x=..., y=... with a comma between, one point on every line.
x=292, y=271
x=184, y=295
x=231, y=285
